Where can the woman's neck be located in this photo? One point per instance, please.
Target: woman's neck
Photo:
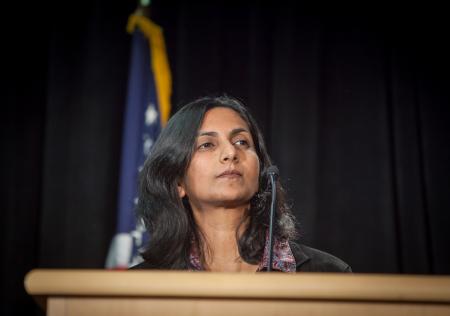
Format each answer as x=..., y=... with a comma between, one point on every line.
x=219, y=226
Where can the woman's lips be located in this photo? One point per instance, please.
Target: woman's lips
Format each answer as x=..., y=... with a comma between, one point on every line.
x=230, y=174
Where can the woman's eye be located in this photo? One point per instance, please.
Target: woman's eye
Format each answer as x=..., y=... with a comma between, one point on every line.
x=206, y=146
x=242, y=142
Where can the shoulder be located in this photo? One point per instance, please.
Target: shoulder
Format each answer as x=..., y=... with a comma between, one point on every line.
x=313, y=260
x=142, y=265
x=145, y=265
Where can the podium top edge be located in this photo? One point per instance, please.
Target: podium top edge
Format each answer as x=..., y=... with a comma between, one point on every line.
x=292, y=286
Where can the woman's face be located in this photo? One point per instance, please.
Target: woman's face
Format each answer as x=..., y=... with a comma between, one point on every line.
x=224, y=170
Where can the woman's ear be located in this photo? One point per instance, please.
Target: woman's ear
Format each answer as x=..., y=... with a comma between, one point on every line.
x=181, y=191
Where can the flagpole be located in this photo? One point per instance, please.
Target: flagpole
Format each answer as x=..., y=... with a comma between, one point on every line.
x=143, y=8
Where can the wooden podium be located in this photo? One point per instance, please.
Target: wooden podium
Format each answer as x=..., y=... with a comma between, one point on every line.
x=135, y=293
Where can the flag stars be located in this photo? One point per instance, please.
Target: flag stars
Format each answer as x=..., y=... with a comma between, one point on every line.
x=150, y=114
x=148, y=142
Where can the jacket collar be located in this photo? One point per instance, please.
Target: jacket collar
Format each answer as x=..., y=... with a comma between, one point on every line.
x=300, y=256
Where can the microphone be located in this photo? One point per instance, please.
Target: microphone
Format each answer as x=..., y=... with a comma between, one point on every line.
x=273, y=173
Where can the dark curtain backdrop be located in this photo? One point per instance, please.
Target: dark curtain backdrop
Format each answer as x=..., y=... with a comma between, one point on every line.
x=354, y=108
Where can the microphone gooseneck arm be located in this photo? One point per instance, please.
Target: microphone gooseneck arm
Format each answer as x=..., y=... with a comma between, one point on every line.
x=273, y=172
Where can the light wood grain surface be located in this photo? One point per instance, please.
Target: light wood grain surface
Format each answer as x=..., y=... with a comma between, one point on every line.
x=327, y=286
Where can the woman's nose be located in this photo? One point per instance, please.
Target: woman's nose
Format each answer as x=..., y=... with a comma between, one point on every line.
x=229, y=153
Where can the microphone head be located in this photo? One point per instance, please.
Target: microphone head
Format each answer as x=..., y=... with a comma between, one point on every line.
x=273, y=171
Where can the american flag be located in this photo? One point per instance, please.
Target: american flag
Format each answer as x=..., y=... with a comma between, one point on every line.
x=147, y=110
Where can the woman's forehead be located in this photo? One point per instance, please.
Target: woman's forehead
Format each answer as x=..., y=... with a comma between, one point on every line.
x=222, y=119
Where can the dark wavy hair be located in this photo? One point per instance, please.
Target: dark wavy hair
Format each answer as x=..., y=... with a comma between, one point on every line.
x=168, y=218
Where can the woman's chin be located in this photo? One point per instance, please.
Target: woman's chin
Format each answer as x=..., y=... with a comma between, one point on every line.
x=233, y=200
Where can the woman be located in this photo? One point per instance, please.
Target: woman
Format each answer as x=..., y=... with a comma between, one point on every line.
x=205, y=199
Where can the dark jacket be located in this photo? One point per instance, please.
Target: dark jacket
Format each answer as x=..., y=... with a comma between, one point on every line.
x=308, y=260
x=312, y=260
